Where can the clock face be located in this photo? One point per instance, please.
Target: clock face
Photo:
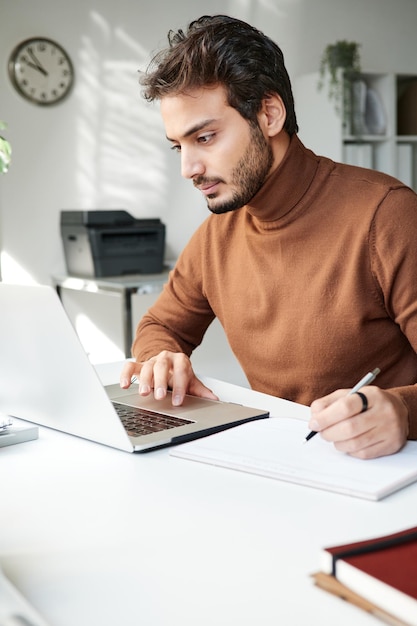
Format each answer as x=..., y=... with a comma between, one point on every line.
x=41, y=71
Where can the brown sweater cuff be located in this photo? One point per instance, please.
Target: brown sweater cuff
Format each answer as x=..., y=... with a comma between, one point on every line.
x=409, y=397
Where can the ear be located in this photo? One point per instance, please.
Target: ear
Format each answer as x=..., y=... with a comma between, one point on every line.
x=272, y=115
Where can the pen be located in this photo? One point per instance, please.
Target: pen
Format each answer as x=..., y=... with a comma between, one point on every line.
x=366, y=380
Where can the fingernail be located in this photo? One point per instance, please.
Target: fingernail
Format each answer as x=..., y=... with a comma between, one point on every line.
x=313, y=425
x=176, y=400
x=144, y=389
x=124, y=382
x=159, y=393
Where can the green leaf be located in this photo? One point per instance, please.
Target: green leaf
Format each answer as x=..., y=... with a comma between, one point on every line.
x=5, y=151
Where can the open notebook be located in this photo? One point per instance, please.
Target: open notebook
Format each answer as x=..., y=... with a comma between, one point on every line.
x=274, y=448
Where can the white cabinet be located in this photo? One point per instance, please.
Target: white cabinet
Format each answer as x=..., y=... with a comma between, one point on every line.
x=100, y=310
x=388, y=139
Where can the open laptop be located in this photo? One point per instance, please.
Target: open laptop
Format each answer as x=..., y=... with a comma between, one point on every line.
x=47, y=378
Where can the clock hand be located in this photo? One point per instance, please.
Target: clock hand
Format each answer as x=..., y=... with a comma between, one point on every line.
x=37, y=65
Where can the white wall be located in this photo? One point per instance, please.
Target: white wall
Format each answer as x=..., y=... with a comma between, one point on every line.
x=104, y=147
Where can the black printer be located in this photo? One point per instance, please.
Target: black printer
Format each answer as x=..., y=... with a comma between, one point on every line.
x=102, y=243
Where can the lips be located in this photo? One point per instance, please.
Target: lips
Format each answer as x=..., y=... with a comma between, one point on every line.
x=208, y=187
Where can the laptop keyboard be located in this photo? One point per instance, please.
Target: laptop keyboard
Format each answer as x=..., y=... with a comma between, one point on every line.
x=139, y=422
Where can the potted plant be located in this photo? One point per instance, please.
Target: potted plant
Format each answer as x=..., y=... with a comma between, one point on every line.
x=5, y=152
x=340, y=65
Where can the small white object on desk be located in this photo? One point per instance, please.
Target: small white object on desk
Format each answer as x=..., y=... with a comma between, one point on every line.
x=11, y=433
x=5, y=422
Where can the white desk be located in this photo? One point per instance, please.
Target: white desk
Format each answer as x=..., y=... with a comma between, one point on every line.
x=97, y=537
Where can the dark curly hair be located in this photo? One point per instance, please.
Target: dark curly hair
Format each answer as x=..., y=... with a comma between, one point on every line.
x=222, y=50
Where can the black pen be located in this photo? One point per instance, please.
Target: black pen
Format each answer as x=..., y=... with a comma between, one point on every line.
x=368, y=378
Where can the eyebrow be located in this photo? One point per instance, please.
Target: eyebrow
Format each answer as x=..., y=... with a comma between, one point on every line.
x=195, y=129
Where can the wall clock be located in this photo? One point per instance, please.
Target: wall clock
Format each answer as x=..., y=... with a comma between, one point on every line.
x=41, y=71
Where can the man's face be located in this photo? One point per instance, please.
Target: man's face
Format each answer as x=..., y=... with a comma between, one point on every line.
x=227, y=158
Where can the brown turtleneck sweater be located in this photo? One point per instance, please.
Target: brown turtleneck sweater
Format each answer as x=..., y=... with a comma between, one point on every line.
x=314, y=282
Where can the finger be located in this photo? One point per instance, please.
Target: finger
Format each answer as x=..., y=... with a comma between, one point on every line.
x=129, y=370
x=197, y=388
x=364, y=400
x=182, y=378
x=164, y=372
x=322, y=403
x=146, y=381
x=379, y=431
x=357, y=430
x=346, y=431
x=363, y=447
x=332, y=409
x=371, y=448
x=184, y=381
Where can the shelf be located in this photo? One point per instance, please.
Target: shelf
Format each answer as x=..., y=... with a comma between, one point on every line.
x=393, y=96
x=406, y=138
x=365, y=138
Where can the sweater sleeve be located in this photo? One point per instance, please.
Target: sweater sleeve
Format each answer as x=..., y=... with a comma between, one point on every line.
x=181, y=315
x=409, y=396
x=394, y=263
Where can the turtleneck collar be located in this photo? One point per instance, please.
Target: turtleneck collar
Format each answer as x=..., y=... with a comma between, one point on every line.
x=286, y=185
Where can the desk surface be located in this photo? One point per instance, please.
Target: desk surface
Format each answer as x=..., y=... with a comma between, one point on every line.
x=91, y=535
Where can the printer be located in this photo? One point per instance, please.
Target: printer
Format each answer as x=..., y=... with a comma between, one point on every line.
x=101, y=243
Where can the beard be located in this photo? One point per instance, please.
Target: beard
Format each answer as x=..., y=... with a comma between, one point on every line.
x=247, y=177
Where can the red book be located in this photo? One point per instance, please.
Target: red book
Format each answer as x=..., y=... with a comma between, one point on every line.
x=381, y=571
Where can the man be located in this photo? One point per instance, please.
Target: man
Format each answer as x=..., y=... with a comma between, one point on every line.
x=310, y=265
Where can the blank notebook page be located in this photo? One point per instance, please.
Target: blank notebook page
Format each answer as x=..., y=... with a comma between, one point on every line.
x=275, y=448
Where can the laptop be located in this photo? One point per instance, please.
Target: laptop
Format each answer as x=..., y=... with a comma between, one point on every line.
x=46, y=378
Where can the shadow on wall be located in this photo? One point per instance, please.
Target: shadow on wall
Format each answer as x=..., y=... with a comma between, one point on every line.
x=120, y=161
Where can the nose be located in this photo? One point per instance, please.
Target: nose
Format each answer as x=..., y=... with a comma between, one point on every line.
x=191, y=164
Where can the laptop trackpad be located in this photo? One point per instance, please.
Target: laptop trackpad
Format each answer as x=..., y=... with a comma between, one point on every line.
x=190, y=404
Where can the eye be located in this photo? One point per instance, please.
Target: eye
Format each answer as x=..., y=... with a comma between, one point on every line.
x=205, y=138
x=176, y=148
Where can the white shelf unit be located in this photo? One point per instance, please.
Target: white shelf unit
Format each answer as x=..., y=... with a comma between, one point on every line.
x=393, y=150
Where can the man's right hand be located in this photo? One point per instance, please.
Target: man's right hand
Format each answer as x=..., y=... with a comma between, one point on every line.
x=171, y=370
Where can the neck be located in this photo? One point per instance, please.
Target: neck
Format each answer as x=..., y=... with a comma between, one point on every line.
x=279, y=144
x=286, y=184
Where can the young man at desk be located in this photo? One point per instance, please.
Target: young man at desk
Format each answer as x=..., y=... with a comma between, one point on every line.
x=310, y=265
